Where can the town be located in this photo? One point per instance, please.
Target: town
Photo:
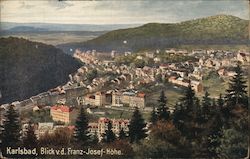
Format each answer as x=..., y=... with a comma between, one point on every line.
x=120, y=81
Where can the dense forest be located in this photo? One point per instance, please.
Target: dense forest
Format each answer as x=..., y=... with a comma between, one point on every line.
x=28, y=68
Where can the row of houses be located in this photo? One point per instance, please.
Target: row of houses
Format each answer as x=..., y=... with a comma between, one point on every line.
x=94, y=128
x=101, y=126
x=86, y=57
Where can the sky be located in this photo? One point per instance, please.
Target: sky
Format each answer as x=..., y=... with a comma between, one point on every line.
x=117, y=11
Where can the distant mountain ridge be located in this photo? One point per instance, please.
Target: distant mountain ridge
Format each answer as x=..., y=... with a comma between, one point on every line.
x=220, y=29
x=29, y=68
x=7, y=26
x=26, y=29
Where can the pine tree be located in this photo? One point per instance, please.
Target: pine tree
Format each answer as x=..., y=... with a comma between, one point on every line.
x=220, y=101
x=122, y=134
x=153, y=117
x=206, y=106
x=215, y=128
x=179, y=116
x=109, y=134
x=189, y=98
x=185, y=114
x=94, y=139
x=1, y=129
x=30, y=140
x=11, y=128
x=162, y=110
x=81, y=128
x=137, y=127
x=236, y=93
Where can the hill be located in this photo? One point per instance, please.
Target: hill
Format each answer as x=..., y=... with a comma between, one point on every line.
x=214, y=30
x=28, y=68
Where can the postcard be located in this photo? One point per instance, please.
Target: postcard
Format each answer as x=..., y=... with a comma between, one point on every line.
x=124, y=79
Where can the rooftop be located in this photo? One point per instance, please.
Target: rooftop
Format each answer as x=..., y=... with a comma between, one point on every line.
x=63, y=108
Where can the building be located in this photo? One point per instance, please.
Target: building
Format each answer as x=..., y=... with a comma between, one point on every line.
x=196, y=85
x=157, y=59
x=43, y=128
x=164, y=67
x=97, y=99
x=100, y=99
x=47, y=128
x=89, y=100
x=93, y=127
x=129, y=99
x=134, y=99
x=101, y=126
x=139, y=57
x=61, y=113
x=221, y=72
x=243, y=57
x=116, y=99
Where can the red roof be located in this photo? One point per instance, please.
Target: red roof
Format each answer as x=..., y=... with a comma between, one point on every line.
x=103, y=120
x=142, y=95
x=71, y=127
x=164, y=65
x=99, y=93
x=63, y=108
x=120, y=121
x=172, y=77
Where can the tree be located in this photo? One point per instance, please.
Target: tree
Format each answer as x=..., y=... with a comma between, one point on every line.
x=1, y=129
x=236, y=98
x=164, y=141
x=94, y=138
x=190, y=120
x=206, y=100
x=30, y=140
x=137, y=127
x=189, y=98
x=139, y=63
x=159, y=78
x=162, y=111
x=11, y=128
x=91, y=75
x=109, y=134
x=233, y=144
x=220, y=101
x=122, y=134
x=236, y=93
x=214, y=128
x=185, y=114
x=153, y=117
x=235, y=139
x=206, y=106
x=61, y=137
x=81, y=128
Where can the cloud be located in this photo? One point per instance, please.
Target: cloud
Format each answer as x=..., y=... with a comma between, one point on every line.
x=23, y=5
x=113, y=12
x=60, y=4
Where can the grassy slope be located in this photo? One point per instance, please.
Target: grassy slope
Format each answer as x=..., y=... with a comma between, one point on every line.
x=222, y=31
x=214, y=27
